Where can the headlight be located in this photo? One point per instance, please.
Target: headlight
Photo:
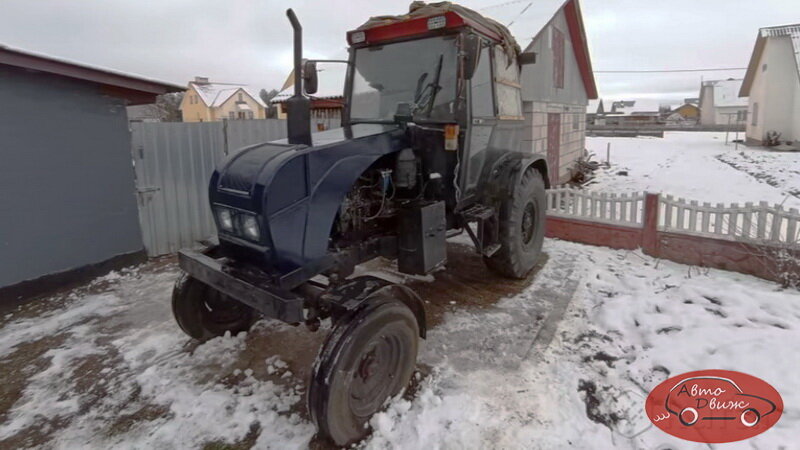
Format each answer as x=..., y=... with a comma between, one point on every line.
x=250, y=227
x=225, y=219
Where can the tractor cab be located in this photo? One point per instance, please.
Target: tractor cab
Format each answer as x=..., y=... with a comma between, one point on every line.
x=450, y=75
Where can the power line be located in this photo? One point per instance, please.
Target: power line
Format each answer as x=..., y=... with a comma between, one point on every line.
x=671, y=70
x=498, y=5
x=519, y=15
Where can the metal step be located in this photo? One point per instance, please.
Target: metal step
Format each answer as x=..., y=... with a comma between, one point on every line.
x=478, y=212
x=491, y=250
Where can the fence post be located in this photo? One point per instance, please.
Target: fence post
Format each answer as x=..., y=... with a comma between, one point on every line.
x=225, y=136
x=650, y=225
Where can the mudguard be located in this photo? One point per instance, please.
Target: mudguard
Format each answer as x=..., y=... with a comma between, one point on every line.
x=296, y=191
x=505, y=171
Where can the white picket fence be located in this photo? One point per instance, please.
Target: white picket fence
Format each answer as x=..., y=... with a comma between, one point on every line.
x=754, y=223
x=623, y=209
x=749, y=222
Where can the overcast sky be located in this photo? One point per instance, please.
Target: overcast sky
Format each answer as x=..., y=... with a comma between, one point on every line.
x=249, y=41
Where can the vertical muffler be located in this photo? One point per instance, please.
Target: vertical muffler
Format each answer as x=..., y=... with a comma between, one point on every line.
x=298, y=106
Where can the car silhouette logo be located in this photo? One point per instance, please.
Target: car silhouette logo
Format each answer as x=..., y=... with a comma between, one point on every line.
x=714, y=406
x=727, y=402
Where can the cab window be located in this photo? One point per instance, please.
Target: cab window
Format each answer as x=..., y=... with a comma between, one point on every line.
x=482, y=96
x=509, y=96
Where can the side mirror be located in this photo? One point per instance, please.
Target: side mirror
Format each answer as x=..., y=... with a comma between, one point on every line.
x=526, y=58
x=310, y=77
x=472, y=54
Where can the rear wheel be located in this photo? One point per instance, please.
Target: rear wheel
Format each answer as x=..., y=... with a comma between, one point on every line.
x=368, y=358
x=522, y=219
x=204, y=313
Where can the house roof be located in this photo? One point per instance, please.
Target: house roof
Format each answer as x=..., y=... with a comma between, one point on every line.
x=215, y=94
x=136, y=89
x=791, y=31
x=330, y=83
x=593, y=106
x=542, y=12
x=726, y=92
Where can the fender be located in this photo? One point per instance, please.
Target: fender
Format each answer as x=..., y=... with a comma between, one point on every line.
x=296, y=191
x=505, y=172
x=355, y=294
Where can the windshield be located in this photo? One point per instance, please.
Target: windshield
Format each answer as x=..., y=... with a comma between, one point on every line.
x=420, y=76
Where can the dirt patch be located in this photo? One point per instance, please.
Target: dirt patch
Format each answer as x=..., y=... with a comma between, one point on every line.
x=466, y=282
x=593, y=405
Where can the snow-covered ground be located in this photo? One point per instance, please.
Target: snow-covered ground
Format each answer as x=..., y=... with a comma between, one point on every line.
x=698, y=166
x=566, y=362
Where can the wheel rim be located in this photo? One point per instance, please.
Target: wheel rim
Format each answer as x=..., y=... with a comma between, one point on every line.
x=755, y=416
x=694, y=416
x=219, y=309
x=528, y=223
x=374, y=378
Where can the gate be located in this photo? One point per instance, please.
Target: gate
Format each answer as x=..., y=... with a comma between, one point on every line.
x=173, y=162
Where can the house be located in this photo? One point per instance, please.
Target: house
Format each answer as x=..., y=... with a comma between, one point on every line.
x=682, y=115
x=689, y=111
x=595, y=111
x=772, y=83
x=326, y=104
x=69, y=207
x=557, y=88
x=720, y=103
x=205, y=101
x=631, y=113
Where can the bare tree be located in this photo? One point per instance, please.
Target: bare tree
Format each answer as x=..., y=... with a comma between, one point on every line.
x=266, y=96
x=168, y=107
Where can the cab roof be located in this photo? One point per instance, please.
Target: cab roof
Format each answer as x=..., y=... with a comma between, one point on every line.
x=425, y=18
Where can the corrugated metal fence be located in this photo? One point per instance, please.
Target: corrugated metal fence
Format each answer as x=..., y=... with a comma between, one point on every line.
x=173, y=163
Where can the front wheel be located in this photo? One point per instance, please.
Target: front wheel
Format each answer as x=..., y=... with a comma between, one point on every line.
x=368, y=358
x=204, y=313
x=522, y=219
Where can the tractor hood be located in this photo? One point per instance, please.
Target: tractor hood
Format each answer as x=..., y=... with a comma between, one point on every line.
x=295, y=191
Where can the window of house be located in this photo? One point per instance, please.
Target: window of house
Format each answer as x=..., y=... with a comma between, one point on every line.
x=250, y=115
x=558, y=58
x=240, y=97
x=755, y=114
x=507, y=87
x=231, y=115
x=576, y=121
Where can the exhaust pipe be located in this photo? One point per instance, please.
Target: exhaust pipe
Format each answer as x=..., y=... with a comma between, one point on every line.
x=298, y=106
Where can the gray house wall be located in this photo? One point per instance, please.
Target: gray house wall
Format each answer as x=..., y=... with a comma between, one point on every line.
x=540, y=97
x=66, y=180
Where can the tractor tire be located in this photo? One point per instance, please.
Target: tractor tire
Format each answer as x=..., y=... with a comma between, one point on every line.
x=204, y=313
x=522, y=219
x=368, y=358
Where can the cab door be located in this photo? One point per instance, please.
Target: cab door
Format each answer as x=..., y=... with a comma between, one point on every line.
x=481, y=124
x=496, y=123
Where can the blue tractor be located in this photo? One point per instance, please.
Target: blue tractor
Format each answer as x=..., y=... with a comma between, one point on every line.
x=431, y=144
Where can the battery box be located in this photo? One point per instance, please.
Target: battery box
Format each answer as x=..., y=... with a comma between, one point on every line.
x=422, y=238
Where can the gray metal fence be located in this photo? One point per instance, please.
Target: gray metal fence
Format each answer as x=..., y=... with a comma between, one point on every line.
x=173, y=163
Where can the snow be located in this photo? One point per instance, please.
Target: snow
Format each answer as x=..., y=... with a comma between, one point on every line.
x=697, y=166
x=632, y=323
x=629, y=322
x=215, y=94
